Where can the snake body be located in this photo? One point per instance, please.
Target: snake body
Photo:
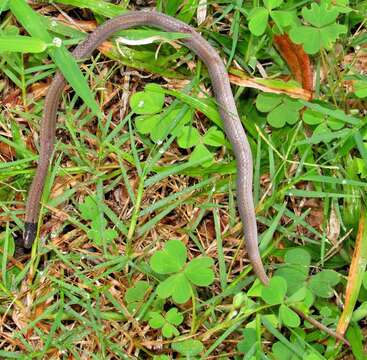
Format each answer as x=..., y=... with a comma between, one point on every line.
x=223, y=93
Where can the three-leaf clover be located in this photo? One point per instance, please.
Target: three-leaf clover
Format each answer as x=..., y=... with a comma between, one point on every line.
x=325, y=125
x=259, y=17
x=176, y=121
x=90, y=210
x=323, y=31
x=281, y=109
x=172, y=261
x=275, y=294
x=167, y=323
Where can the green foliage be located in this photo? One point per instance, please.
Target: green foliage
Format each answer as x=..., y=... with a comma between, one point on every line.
x=249, y=340
x=360, y=88
x=322, y=283
x=25, y=44
x=183, y=276
x=259, y=17
x=281, y=109
x=176, y=122
x=135, y=296
x=322, y=31
x=188, y=348
x=167, y=323
x=89, y=210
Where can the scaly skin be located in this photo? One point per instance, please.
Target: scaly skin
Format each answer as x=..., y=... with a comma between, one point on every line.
x=223, y=93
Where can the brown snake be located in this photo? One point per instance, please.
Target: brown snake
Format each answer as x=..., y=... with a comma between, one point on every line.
x=223, y=93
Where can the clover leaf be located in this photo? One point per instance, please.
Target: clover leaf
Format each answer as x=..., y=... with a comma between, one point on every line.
x=147, y=101
x=259, y=17
x=281, y=109
x=323, y=282
x=295, y=270
x=249, y=339
x=90, y=210
x=188, y=348
x=171, y=259
x=183, y=276
x=274, y=293
x=360, y=88
x=201, y=155
x=188, y=138
x=325, y=125
x=214, y=137
x=288, y=316
x=167, y=323
x=135, y=296
x=323, y=31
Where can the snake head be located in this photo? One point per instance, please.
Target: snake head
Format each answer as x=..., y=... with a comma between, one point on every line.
x=30, y=232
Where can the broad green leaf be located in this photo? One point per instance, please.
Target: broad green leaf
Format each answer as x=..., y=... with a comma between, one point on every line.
x=190, y=347
x=146, y=123
x=297, y=296
x=201, y=155
x=282, y=352
x=312, y=117
x=322, y=283
x=274, y=293
x=147, y=102
x=360, y=88
x=176, y=286
x=137, y=293
x=199, y=271
x=323, y=32
x=298, y=256
x=288, y=316
x=169, y=331
x=156, y=320
x=258, y=21
x=266, y=102
x=214, y=137
x=272, y=4
x=169, y=260
x=319, y=15
x=249, y=339
x=174, y=317
x=188, y=138
x=24, y=44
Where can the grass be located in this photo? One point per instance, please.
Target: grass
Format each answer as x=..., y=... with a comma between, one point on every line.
x=115, y=195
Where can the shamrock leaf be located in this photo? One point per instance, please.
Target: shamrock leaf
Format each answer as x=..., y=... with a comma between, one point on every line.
x=147, y=101
x=296, y=269
x=135, y=296
x=188, y=138
x=166, y=323
x=323, y=31
x=322, y=283
x=214, y=137
x=274, y=293
x=360, y=88
x=188, y=348
x=288, y=316
x=325, y=125
x=158, y=126
x=171, y=260
x=249, y=339
x=258, y=21
x=98, y=233
x=201, y=155
x=199, y=271
x=282, y=109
